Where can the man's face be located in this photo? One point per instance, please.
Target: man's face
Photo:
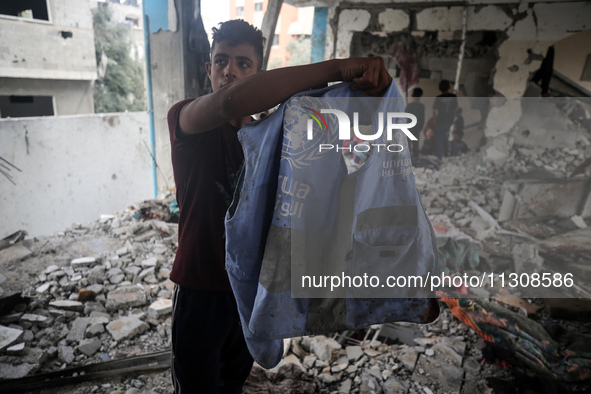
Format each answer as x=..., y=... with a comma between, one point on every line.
x=231, y=63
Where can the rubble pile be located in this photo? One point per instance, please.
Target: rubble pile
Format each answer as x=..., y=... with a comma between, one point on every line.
x=110, y=297
x=94, y=308
x=470, y=178
x=442, y=356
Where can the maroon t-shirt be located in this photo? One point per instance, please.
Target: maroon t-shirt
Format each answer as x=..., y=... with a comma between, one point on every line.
x=205, y=167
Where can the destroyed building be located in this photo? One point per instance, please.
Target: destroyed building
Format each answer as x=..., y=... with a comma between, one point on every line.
x=98, y=291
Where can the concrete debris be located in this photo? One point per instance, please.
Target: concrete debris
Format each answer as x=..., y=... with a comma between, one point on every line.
x=126, y=296
x=118, y=302
x=160, y=308
x=8, y=336
x=126, y=327
x=83, y=261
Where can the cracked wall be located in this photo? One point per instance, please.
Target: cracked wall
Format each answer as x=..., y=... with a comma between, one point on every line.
x=519, y=26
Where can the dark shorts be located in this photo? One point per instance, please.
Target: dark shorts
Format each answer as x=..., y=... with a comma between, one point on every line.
x=209, y=354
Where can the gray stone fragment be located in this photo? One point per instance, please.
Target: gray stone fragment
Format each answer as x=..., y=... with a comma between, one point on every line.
x=10, y=371
x=146, y=272
x=91, y=307
x=126, y=327
x=33, y=318
x=444, y=352
x=89, y=346
x=369, y=384
x=83, y=261
x=68, y=305
x=326, y=349
x=15, y=349
x=77, y=332
x=126, y=297
x=160, y=308
x=354, y=352
x=345, y=386
x=43, y=288
x=151, y=262
x=133, y=270
x=8, y=336
x=50, y=269
x=65, y=354
x=409, y=358
x=94, y=330
x=395, y=386
x=15, y=253
x=116, y=279
x=448, y=376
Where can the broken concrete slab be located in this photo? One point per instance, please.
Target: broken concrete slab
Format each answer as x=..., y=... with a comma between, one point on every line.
x=78, y=330
x=16, y=252
x=10, y=371
x=67, y=305
x=409, y=358
x=8, y=336
x=33, y=318
x=578, y=239
x=126, y=327
x=126, y=297
x=544, y=198
x=83, y=261
x=326, y=349
x=160, y=307
x=89, y=346
x=16, y=349
x=526, y=258
x=449, y=377
x=66, y=354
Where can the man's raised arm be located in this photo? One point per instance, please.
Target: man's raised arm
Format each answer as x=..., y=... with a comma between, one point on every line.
x=265, y=89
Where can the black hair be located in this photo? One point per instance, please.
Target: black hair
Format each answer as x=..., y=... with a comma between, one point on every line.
x=237, y=32
x=444, y=85
x=459, y=110
x=417, y=92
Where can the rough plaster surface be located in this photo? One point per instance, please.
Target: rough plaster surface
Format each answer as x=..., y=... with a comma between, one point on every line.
x=393, y=20
x=167, y=82
x=523, y=29
x=71, y=13
x=499, y=149
x=74, y=168
x=555, y=19
x=488, y=18
x=514, y=53
x=350, y=21
x=502, y=119
x=58, y=58
x=329, y=47
x=440, y=18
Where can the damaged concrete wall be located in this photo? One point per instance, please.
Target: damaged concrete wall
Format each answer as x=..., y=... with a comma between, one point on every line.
x=68, y=44
x=71, y=97
x=51, y=58
x=74, y=168
x=519, y=26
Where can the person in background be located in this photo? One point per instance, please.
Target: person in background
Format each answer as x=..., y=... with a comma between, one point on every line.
x=417, y=109
x=459, y=123
x=444, y=109
x=428, y=148
x=457, y=146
